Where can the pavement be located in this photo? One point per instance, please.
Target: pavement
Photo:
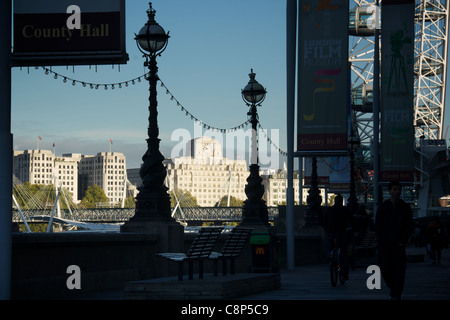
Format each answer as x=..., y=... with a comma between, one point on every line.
x=423, y=281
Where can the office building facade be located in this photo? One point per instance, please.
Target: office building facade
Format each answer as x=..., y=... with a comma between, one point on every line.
x=74, y=171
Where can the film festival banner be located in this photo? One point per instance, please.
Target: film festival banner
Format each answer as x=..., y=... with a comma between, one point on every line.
x=397, y=91
x=69, y=32
x=323, y=102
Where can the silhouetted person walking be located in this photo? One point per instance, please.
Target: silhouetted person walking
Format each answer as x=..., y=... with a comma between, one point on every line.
x=393, y=226
x=337, y=224
x=436, y=239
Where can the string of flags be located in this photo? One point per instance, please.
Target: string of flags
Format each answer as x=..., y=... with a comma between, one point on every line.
x=195, y=119
x=90, y=85
x=283, y=153
x=125, y=84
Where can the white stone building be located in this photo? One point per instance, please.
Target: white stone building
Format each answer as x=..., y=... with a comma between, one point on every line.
x=107, y=170
x=275, y=183
x=74, y=171
x=42, y=167
x=206, y=174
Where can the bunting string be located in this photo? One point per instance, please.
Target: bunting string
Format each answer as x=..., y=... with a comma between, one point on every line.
x=195, y=119
x=283, y=153
x=90, y=85
x=133, y=81
x=324, y=160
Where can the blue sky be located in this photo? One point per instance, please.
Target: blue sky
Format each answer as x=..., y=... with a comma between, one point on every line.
x=212, y=48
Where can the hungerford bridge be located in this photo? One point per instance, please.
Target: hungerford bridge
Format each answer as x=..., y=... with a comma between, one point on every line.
x=52, y=205
x=111, y=218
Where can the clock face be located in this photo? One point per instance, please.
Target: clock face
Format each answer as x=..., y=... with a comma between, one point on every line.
x=208, y=150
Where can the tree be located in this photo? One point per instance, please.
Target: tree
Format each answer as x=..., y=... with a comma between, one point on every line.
x=187, y=199
x=30, y=196
x=93, y=195
x=331, y=200
x=130, y=202
x=234, y=202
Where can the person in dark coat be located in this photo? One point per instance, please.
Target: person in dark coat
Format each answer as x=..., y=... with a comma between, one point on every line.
x=393, y=227
x=337, y=223
x=436, y=239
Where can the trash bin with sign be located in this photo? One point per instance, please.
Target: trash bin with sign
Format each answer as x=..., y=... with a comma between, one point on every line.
x=264, y=252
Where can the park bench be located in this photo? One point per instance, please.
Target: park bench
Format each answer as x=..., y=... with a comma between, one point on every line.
x=233, y=246
x=200, y=249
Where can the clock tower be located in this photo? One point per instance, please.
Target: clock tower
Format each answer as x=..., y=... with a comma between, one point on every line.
x=205, y=150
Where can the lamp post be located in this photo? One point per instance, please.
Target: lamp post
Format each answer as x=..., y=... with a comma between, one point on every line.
x=352, y=200
x=254, y=209
x=314, y=199
x=153, y=201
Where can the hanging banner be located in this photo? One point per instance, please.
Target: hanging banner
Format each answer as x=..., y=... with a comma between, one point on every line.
x=68, y=32
x=332, y=173
x=397, y=91
x=323, y=77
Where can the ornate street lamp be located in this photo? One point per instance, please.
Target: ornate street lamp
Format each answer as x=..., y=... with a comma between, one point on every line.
x=152, y=39
x=254, y=209
x=153, y=201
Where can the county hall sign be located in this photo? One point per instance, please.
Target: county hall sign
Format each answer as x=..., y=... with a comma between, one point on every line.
x=68, y=32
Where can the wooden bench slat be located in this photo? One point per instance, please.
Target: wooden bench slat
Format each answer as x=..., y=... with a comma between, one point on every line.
x=232, y=248
x=200, y=248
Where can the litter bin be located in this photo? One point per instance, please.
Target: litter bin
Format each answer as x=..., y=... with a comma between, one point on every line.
x=264, y=252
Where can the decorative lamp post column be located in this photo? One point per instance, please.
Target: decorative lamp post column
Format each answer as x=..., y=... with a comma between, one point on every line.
x=352, y=200
x=314, y=199
x=254, y=209
x=153, y=201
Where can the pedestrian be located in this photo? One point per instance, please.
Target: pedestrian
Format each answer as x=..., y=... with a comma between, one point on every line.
x=337, y=224
x=393, y=227
x=417, y=236
x=436, y=239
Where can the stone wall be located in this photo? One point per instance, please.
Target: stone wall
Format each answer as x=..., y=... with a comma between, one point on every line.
x=110, y=260
x=106, y=261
